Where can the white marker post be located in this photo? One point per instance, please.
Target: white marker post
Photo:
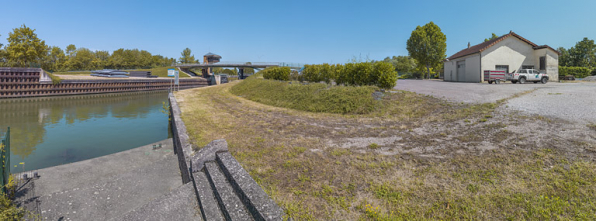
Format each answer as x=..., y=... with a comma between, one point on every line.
x=177, y=80
x=171, y=74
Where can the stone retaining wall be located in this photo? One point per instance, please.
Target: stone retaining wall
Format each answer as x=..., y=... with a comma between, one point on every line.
x=25, y=82
x=182, y=146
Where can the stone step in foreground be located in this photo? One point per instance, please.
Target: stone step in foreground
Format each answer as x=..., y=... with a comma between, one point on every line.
x=222, y=184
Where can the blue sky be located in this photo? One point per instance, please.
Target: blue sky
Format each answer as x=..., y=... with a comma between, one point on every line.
x=292, y=31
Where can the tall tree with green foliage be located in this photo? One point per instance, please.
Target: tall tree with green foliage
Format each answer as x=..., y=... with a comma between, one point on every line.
x=24, y=47
x=71, y=50
x=494, y=36
x=564, y=59
x=428, y=46
x=583, y=54
x=55, y=60
x=83, y=60
x=187, y=57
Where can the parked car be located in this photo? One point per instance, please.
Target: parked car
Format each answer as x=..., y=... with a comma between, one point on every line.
x=569, y=78
x=524, y=75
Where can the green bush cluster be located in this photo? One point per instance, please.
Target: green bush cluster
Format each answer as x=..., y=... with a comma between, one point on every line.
x=276, y=73
x=578, y=72
x=381, y=74
x=311, y=97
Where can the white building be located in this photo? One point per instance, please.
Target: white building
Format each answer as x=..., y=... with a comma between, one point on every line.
x=507, y=53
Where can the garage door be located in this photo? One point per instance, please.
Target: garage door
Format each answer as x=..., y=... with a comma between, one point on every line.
x=461, y=71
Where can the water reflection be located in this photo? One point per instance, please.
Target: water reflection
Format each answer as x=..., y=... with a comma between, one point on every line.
x=56, y=130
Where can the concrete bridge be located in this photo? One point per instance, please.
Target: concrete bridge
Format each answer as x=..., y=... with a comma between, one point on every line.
x=206, y=67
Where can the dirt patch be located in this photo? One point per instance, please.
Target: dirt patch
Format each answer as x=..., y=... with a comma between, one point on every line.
x=444, y=161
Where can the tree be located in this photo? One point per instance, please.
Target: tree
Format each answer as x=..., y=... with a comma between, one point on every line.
x=24, y=47
x=564, y=59
x=402, y=64
x=428, y=45
x=71, y=50
x=83, y=60
x=101, y=59
x=249, y=70
x=583, y=54
x=494, y=36
x=187, y=57
x=55, y=61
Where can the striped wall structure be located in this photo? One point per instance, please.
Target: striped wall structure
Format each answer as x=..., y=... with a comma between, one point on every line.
x=34, y=82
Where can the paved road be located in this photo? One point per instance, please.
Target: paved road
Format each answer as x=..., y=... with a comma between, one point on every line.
x=570, y=101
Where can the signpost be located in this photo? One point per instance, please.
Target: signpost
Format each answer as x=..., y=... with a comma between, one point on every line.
x=171, y=73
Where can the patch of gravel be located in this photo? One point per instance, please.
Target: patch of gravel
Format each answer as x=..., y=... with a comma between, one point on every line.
x=569, y=101
x=589, y=78
x=361, y=142
x=573, y=101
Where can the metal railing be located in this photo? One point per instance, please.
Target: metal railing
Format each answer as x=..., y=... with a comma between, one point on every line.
x=5, y=157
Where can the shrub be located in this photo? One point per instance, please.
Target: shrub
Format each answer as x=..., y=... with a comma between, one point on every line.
x=312, y=97
x=578, y=72
x=277, y=73
x=311, y=73
x=379, y=74
x=385, y=75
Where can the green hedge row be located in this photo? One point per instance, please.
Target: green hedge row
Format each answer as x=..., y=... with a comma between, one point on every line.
x=311, y=97
x=578, y=72
x=380, y=74
x=276, y=73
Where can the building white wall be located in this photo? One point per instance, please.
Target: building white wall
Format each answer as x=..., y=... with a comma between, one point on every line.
x=512, y=52
x=472, y=69
x=473, y=73
x=552, y=65
x=450, y=70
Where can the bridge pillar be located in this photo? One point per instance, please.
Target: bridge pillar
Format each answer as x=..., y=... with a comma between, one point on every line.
x=240, y=73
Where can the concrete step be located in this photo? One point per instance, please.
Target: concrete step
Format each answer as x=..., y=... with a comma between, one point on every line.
x=258, y=203
x=207, y=203
x=180, y=204
x=113, y=196
x=96, y=170
x=230, y=204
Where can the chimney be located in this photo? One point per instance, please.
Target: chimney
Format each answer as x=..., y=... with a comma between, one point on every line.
x=468, y=44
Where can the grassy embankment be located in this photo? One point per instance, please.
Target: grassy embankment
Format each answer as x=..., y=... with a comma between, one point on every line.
x=159, y=71
x=301, y=158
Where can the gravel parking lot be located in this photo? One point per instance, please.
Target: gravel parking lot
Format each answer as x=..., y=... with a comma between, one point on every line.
x=569, y=101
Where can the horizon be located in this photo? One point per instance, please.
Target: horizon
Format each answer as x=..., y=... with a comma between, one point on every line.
x=301, y=32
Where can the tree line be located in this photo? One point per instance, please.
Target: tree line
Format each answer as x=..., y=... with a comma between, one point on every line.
x=25, y=49
x=582, y=56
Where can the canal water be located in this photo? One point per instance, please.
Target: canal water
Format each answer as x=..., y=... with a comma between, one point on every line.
x=50, y=131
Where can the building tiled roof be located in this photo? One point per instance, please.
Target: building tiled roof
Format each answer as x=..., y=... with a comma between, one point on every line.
x=487, y=44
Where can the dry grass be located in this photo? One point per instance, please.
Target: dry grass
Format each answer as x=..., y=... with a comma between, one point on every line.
x=416, y=157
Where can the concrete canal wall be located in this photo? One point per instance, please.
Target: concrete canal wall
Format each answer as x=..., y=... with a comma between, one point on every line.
x=34, y=82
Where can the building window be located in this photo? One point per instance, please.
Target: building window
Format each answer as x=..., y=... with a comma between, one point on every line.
x=527, y=67
x=543, y=63
x=502, y=68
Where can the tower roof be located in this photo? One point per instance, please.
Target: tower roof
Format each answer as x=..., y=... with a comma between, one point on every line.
x=211, y=55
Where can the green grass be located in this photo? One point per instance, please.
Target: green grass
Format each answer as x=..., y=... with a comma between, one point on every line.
x=310, y=97
x=289, y=156
x=55, y=79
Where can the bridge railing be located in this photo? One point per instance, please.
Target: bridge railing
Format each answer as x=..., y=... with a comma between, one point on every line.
x=240, y=63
